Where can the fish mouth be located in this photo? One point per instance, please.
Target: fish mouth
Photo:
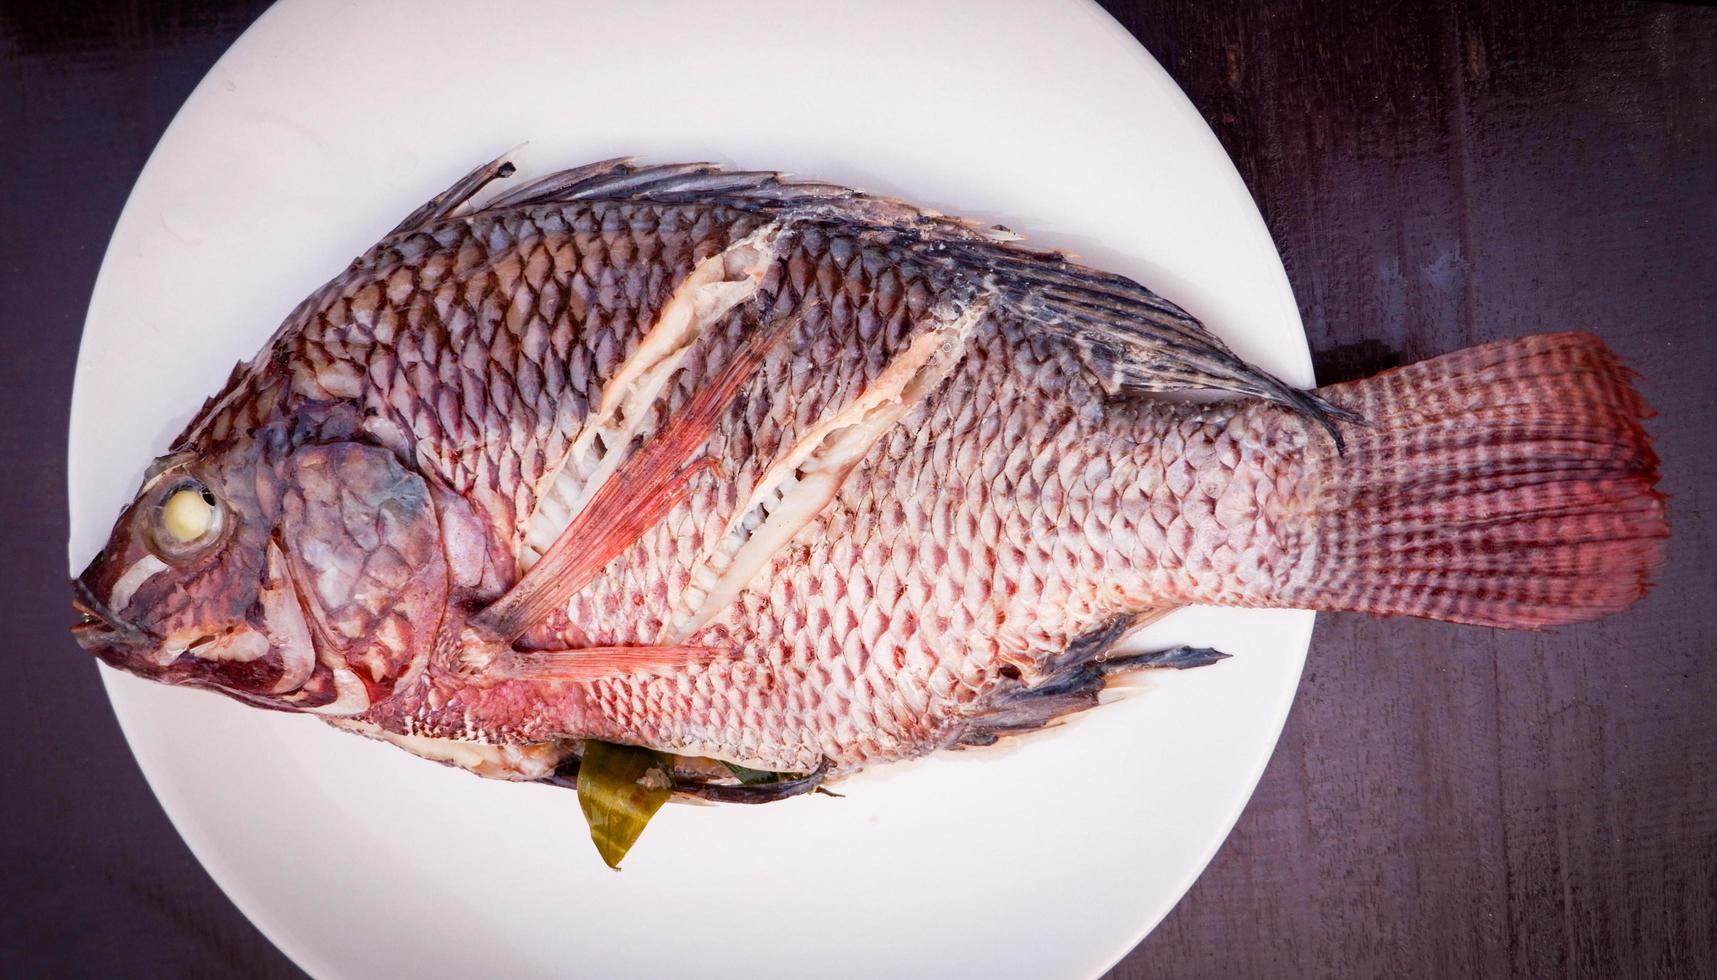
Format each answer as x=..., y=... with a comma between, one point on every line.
x=98, y=627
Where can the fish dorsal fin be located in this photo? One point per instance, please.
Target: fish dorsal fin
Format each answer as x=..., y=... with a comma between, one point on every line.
x=622, y=179
x=1131, y=340
x=448, y=202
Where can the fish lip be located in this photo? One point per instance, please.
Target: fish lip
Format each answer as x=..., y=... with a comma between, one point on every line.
x=98, y=623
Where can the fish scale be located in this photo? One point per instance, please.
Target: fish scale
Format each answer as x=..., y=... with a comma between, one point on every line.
x=874, y=690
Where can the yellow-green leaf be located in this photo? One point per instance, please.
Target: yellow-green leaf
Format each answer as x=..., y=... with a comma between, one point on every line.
x=620, y=787
x=752, y=777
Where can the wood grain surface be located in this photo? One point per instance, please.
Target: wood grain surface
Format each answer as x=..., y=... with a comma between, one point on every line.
x=1445, y=801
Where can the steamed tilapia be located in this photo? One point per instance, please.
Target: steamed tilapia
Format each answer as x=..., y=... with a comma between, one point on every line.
x=774, y=473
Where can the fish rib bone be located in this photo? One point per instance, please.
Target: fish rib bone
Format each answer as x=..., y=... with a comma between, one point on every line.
x=713, y=287
x=800, y=483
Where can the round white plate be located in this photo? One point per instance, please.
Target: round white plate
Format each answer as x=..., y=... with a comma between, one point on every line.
x=326, y=123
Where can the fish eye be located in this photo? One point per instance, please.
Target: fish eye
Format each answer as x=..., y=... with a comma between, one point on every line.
x=188, y=519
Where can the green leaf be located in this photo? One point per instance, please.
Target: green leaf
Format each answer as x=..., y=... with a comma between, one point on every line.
x=620, y=787
x=751, y=777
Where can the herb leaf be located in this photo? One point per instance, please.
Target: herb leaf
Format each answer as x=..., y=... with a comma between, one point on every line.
x=620, y=787
x=752, y=777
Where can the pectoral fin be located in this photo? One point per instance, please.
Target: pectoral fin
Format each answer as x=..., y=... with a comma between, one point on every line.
x=634, y=498
x=586, y=664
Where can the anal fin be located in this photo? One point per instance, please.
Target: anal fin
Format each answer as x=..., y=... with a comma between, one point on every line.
x=1174, y=658
x=1073, y=680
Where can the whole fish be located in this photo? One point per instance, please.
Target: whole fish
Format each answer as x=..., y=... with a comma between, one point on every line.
x=779, y=474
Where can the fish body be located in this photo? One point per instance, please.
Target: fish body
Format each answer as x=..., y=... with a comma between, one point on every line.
x=790, y=477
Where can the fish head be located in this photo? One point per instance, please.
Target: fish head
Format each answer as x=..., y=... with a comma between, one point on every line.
x=309, y=582
x=172, y=595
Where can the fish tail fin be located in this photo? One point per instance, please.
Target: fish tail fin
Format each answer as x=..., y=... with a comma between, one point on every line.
x=1506, y=485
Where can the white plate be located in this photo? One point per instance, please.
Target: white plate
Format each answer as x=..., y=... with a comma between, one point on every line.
x=325, y=124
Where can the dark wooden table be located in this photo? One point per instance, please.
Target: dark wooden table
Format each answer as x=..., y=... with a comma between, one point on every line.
x=1446, y=801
